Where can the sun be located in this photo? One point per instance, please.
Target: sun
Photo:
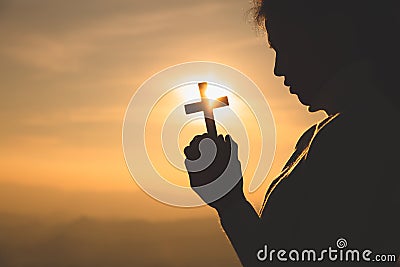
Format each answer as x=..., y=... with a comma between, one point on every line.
x=191, y=91
x=214, y=92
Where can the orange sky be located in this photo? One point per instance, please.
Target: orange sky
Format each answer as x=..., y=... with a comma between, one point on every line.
x=69, y=68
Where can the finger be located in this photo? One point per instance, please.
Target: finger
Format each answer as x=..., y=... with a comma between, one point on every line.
x=196, y=140
x=187, y=151
x=192, y=151
x=220, y=139
x=228, y=140
x=232, y=145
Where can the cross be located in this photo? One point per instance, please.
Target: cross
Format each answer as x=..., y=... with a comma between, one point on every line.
x=207, y=106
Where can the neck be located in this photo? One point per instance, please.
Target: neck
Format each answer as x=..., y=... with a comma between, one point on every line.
x=354, y=89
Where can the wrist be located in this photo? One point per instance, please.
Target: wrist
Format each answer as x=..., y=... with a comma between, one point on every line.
x=230, y=202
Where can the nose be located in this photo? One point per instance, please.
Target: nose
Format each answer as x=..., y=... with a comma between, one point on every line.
x=279, y=65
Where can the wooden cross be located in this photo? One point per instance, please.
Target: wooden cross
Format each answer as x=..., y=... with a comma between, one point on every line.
x=207, y=106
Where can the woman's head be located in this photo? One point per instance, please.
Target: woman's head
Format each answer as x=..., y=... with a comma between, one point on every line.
x=314, y=39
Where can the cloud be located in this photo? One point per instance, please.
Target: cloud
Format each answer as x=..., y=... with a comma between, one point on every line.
x=64, y=36
x=69, y=68
x=61, y=57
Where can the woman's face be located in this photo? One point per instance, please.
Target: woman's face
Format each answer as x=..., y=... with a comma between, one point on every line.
x=307, y=57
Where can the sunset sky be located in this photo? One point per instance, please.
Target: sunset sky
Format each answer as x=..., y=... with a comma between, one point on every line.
x=69, y=68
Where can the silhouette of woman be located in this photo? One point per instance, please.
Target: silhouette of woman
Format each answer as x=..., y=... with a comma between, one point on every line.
x=342, y=179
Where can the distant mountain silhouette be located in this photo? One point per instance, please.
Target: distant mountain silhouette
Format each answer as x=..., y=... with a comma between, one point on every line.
x=85, y=242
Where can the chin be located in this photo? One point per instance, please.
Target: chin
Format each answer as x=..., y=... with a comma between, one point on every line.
x=313, y=109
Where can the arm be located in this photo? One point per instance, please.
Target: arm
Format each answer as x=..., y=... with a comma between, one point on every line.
x=242, y=226
x=220, y=185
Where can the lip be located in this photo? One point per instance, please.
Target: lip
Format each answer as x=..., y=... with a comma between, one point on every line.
x=293, y=92
x=302, y=101
x=286, y=83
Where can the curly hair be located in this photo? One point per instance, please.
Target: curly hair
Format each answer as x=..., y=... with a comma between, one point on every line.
x=376, y=27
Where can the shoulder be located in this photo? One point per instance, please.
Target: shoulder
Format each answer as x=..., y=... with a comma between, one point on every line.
x=354, y=157
x=359, y=139
x=346, y=174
